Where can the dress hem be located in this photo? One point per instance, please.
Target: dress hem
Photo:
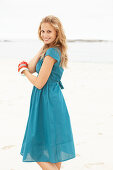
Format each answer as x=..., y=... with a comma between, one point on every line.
x=50, y=161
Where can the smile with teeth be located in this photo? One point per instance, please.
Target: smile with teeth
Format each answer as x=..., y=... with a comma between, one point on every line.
x=46, y=39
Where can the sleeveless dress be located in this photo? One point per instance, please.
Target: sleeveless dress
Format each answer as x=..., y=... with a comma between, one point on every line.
x=48, y=136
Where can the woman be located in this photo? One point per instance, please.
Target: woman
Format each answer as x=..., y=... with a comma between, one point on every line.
x=48, y=138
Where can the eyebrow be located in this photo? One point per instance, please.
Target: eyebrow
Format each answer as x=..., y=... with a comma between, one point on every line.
x=43, y=30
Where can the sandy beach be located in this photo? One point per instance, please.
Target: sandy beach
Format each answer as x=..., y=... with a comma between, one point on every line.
x=88, y=80
x=88, y=91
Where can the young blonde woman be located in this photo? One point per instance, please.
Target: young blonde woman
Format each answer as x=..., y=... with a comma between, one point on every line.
x=48, y=138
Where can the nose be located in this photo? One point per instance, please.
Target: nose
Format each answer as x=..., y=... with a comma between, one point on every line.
x=45, y=35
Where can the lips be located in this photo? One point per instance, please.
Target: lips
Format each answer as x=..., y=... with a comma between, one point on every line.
x=46, y=39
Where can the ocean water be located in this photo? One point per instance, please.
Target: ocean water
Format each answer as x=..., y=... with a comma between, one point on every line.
x=99, y=52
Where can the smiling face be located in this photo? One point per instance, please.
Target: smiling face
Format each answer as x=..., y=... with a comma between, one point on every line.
x=48, y=33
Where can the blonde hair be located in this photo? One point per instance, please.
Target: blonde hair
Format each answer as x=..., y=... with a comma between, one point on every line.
x=60, y=40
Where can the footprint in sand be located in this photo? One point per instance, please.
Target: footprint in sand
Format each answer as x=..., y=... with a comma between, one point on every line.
x=77, y=155
x=88, y=165
x=8, y=147
x=100, y=133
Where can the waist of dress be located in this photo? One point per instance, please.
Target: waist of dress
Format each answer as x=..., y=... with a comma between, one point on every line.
x=58, y=82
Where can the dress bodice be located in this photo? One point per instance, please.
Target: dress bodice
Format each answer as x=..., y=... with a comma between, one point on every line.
x=57, y=70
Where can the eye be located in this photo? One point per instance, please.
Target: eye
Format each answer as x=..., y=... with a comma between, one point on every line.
x=48, y=31
x=42, y=31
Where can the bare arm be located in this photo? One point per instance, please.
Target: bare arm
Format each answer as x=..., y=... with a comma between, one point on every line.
x=32, y=63
x=44, y=73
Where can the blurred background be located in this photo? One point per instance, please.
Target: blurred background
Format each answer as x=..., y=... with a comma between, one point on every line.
x=81, y=19
x=88, y=80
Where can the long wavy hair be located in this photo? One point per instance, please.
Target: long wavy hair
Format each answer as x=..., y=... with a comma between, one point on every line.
x=60, y=40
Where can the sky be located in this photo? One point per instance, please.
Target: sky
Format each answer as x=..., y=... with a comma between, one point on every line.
x=81, y=19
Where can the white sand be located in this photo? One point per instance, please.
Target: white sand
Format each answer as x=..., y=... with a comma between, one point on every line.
x=88, y=91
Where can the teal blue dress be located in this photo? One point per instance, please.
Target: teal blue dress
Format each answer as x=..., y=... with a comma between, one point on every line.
x=48, y=136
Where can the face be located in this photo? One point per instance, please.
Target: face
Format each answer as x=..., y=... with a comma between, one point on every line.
x=48, y=33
